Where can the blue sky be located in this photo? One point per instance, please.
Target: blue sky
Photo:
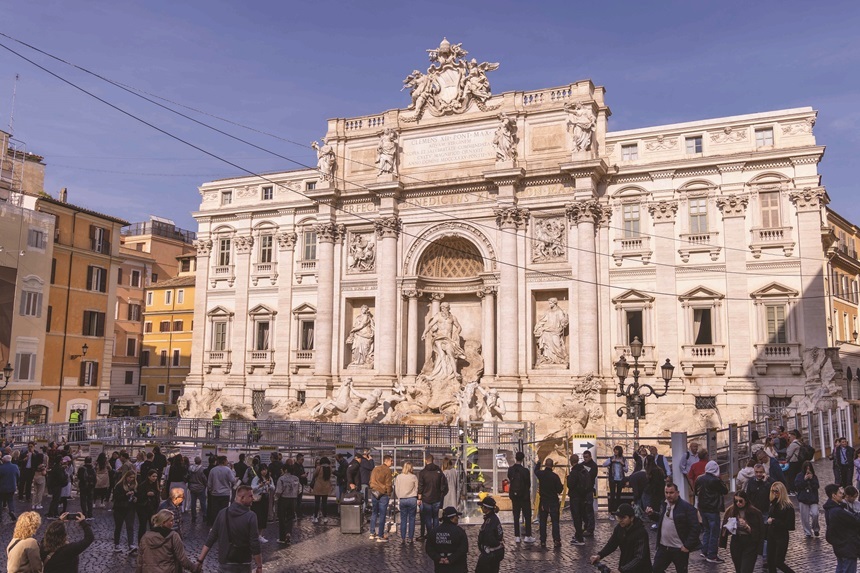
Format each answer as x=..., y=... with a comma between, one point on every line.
x=286, y=67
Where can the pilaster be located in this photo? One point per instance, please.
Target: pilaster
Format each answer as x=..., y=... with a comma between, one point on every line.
x=286, y=251
x=810, y=203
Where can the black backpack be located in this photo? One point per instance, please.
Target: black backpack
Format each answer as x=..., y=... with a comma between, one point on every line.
x=518, y=486
x=806, y=453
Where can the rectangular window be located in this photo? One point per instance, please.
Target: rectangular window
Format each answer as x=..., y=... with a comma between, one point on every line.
x=100, y=240
x=89, y=373
x=266, y=248
x=36, y=239
x=706, y=402
x=31, y=303
x=776, y=324
x=301, y=396
x=177, y=326
x=307, y=339
x=180, y=296
x=134, y=312
x=161, y=389
x=185, y=265
x=53, y=271
x=142, y=392
x=164, y=326
x=96, y=279
x=131, y=347
x=631, y=220
x=694, y=145
x=168, y=296
x=769, y=209
x=149, y=299
x=635, y=326
x=144, y=357
x=25, y=366
x=702, y=326
x=310, y=246
x=162, y=358
x=764, y=137
x=310, y=185
x=226, y=197
x=219, y=336
x=135, y=279
x=119, y=276
x=630, y=152
x=48, y=319
x=129, y=376
x=262, y=335
x=268, y=193
x=94, y=323
x=223, y=252
x=147, y=327
x=153, y=278
x=698, y=215
x=176, y=357
x=174, y=395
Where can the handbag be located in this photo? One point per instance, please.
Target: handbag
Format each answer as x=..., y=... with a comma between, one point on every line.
x=235, y=553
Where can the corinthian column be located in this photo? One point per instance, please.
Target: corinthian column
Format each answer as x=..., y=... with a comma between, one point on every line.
x=240, y=343
x=412, y=332
x=387, y=230
x=488, y=329
x=809, y=203
x=198, y=336
x=510, y=220
x=585, y=214
x=286, y=246
x=327, y=234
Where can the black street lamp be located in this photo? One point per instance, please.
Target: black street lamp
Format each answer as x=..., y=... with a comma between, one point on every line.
x=7, y=373
x=636, y=393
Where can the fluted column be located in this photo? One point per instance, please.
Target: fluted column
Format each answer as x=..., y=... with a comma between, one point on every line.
x=412, y=332
x=385, y=355
x=327, y=234
x=585, y=214
x=286, y=247
x=488, y=329
x=510, y=220
x=435, y=304
x=198, y=337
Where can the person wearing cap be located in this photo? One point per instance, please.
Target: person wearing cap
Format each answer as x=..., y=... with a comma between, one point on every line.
x=448, y=545
x=549, y=488
x=216, y=423
x=710, y=492
x=631, y=537
x=491, y=538
x=678, y=529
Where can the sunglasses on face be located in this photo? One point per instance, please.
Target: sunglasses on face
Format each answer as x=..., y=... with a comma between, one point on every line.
x=740, y=501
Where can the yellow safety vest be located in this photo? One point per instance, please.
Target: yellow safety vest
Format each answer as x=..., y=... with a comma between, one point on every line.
x=74, y=418
x=216, y=419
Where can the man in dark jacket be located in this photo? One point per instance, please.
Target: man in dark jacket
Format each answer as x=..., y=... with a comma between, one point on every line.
x=298, y=470
x=520, y=481
x=678, y=531
x=432, y=489
x=843, y=462
x=588, y=516
x=710, y=491
x=365, y=468
x=339, y=474
x=29, y=462
x=578, y=484
x=549, y=488
x=631, y=537
x=448, y=545
x=243, y=534
x=758, y=490
x=843, y=529
x=353, y=475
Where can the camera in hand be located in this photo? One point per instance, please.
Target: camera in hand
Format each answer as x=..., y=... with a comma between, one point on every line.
x=72, y=516
x=603, y=568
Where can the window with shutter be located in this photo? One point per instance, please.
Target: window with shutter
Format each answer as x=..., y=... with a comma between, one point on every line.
x=53, y=270
x=25, y=366
x=119, y=276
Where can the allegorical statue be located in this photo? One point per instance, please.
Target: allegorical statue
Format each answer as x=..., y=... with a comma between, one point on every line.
x=504, y=141
x=361, y=339
x=549, y=332
x=582, y=122
x=423, y=87
x=362, y=254
x=386, y=152
x=444, y=332
x=325, y=159
x=338, y=404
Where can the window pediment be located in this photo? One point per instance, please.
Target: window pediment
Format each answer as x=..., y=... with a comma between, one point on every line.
x=262, y=310
x=304, y=309
x=700, y=293
x=219, y=311
x=775, y=290
x=632, y=295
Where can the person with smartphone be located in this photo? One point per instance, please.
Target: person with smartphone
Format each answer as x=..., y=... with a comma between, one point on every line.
x=58, y=555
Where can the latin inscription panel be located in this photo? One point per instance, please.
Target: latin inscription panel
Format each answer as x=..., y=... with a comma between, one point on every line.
x=448, y=148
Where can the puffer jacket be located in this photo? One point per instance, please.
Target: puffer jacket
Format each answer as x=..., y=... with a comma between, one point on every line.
x=322, y=486
x=162, y=551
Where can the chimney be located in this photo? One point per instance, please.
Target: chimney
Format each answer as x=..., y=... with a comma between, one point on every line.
x=64, y=195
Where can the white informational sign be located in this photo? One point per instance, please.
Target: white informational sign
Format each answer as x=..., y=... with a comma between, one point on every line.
x=501, y=461
x=209, y=450
x=96, y=448
x=584, y=443
x=232, y=455
x=346, y=450
x=265, y=454
x=189, y=452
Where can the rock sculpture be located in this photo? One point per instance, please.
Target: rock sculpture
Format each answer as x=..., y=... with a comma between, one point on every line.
x=326, y=159
x=337, y=405
x=202, y=402
x=549, y=332
x=582, y=122
x=549, y=241
x=492, y=407
x=367, y=405
x=504, y=139
x=386, y=152
x=361, y=337
x=823, y=387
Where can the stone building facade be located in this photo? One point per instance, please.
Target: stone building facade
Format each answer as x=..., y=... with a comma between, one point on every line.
x=551, y=241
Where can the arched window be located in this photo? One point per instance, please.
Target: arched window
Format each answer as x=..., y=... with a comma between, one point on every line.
x=36, y=414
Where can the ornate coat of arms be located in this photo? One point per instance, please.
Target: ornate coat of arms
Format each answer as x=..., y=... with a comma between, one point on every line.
x=451, y=83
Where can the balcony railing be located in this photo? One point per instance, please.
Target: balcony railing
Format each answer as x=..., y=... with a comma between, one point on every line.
x=218, y=359
x=264, y=270
x=305, y=267
x=303, y=356
x=260, y=359
x=222, y=272
x=634, y=247
x=778, y=353
x=699, y=243
x=704, y=356
x=771, y=238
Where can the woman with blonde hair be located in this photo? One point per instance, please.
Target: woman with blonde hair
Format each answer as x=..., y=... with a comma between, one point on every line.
x=161, y=548
x=22, y=553
x=780, y=522
x=406, y=491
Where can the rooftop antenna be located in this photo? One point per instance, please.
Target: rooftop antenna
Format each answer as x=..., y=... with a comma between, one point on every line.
x=12, y=112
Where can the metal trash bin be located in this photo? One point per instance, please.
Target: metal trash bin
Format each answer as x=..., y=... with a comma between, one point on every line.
x=351, y=519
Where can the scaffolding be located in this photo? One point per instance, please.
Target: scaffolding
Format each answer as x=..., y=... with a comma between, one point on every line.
x=15, y=405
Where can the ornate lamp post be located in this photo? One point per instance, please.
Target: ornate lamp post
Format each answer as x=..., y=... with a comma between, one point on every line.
x=636, y=393
x=7, y=373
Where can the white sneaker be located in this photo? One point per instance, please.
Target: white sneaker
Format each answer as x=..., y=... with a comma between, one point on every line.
x=529, y=539
x=314, y=519
x=517, y=539
x=132, y=548
x=325, y=520
x=116, y=549
x=263, y=539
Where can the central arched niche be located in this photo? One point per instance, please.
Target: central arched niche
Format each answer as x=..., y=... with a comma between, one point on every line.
x=451, y=258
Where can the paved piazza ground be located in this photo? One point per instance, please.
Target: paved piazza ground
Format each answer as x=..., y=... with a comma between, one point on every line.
x=323, y=549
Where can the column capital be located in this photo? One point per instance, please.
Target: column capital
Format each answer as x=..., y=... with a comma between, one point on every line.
x=244, y=244
x=663, y=211
x=486, y=291
x=413, y=293
x=203, y=246
x=287, y=240
x=733, y=205
x=588, y=211
x=436, y=295
x=329, y=232
x=809, y=199
x=511, y=217
x=387, y=227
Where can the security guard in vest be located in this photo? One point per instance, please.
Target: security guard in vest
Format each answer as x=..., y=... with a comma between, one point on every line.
x=74, y=425
x=216, y=422
x=473, y=470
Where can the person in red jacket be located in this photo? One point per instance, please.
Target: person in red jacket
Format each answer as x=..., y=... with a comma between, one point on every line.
x=698, y=468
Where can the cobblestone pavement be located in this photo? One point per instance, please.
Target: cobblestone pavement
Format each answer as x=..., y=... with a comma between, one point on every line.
x=323, y=549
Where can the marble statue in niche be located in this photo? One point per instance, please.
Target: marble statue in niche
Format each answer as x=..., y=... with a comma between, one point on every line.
x=386, y=152
x=361, y=339
x=504, y=139
x=549, y=334
x=582, y=122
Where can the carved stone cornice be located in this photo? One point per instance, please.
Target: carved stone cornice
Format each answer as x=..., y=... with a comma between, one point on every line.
x=809, y=199
x=327, y=232
x=244, y=244
x=588, y=211
x=733, y=205
x=511, y=217
x=663, y=211
x=667, y=174
x=729, y=135
x=287, y=240
x=729, y=167
x=387, y=227
x=505, y=177
x=203, y=246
